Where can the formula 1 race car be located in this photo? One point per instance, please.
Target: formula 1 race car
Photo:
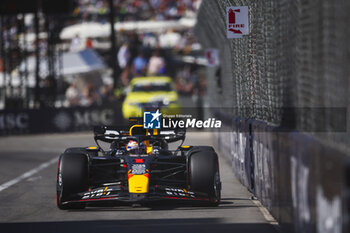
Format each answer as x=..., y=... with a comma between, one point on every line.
x=138, y=168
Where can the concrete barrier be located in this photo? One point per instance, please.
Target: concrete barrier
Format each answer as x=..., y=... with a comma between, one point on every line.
x=302, y=182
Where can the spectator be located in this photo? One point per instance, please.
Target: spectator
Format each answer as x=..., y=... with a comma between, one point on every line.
x=75, y=44
x=107, y=94
x=73, y=95
x=90, y=96
x=123, y=55
x=169, y=39
x=88, y=43
x=139, y=65
x=156, y=64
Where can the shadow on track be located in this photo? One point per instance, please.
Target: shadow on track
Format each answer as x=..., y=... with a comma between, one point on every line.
x=202, y=225
x=162, y=205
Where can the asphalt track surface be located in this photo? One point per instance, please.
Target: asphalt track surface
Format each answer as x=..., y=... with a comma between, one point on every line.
x=27, y=196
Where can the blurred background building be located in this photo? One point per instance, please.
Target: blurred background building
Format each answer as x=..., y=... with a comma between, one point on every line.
x=64, y=54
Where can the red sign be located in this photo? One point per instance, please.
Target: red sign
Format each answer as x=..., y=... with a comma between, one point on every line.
x=237, y=21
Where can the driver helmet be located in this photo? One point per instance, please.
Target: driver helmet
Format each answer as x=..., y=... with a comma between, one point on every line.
x=132, y=146
x=135, y=148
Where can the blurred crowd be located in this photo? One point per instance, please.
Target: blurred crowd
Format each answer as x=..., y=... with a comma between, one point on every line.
x=90, y=95
x=138, y=53
x=135, y=10
x=139, y=65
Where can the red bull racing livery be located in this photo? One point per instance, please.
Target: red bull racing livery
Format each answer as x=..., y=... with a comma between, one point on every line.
x=138, y=167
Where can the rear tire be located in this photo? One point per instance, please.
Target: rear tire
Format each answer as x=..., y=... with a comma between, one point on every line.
x=204, y=173
x=72, y=178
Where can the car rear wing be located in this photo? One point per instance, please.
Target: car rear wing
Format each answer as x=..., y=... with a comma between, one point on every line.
x=112, y=133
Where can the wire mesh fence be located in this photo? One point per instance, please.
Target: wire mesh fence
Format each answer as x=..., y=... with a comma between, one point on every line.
x=294, y=63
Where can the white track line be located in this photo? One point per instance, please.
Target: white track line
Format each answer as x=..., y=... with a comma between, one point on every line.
x=269, y=218
x=27, y=174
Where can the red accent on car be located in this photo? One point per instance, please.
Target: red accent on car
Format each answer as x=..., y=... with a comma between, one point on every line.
x=172, y=197
x=139, y=160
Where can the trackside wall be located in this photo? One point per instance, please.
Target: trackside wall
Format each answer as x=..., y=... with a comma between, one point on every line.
x=283, y=92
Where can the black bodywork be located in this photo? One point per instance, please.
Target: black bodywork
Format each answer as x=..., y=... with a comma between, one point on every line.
x=168, y=171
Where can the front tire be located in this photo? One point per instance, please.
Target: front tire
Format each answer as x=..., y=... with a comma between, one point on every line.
x=72, y=178
x=204, y=173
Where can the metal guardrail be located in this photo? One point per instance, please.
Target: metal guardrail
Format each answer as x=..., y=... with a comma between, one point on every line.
x=295, y=57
